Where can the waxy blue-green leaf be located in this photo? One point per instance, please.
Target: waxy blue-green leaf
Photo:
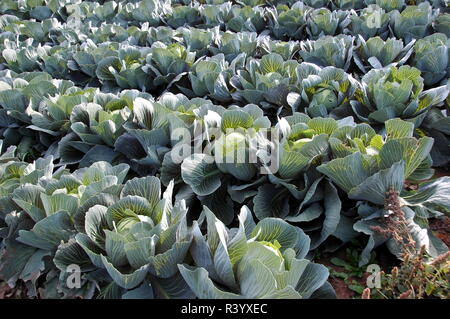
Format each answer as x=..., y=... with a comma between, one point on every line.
x=201, y=174
x=127, y=281
x=346, y=172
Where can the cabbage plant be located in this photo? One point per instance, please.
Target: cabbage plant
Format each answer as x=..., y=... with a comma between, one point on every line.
x=286, y=49
x=431, y=57
x=296, y=192
x=166, y=63
x=317, y=3
x=181, y=15
x=216, y=14
x=34, y=224
x=146, y=139
x=395, y=92
x=229, y=133
x=442, y=24
x=142, y=236
x=228, y=156
x=96, y=125
x=37, y=107
x=266, y=81
x=324, y=91
x=349, y=4
x=198, y=40
x=232, y=44
x=24, y=58
x=247, y=18
x=371, y=21
x=211, y=77
x=285, y=22
x=133, y=132
x=122, y=235
x=252, y=261
x=383, y=165
x=414, y=22
x=325, y=22
x=144, y=11
x=124, y=68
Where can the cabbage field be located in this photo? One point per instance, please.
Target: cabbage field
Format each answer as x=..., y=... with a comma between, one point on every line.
x=224, y=149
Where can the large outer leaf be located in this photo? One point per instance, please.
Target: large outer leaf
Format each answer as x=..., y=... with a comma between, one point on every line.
x=139, y=252
x=28, y=198
x=71, y=253
x=201, y=253
x=347, y=172
x=128, y=207
x=115, y=248
x=412, y=151
x=12, y=263
x=95, y=223
x=256, y=280
x=374, y=188
x=220, y=203
x=200, y=172
x=174, y=287
x=92, y=250
x=202, y=286
x=397, y=128
x=57, y=202
x=434, y=194
x=313, y=277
